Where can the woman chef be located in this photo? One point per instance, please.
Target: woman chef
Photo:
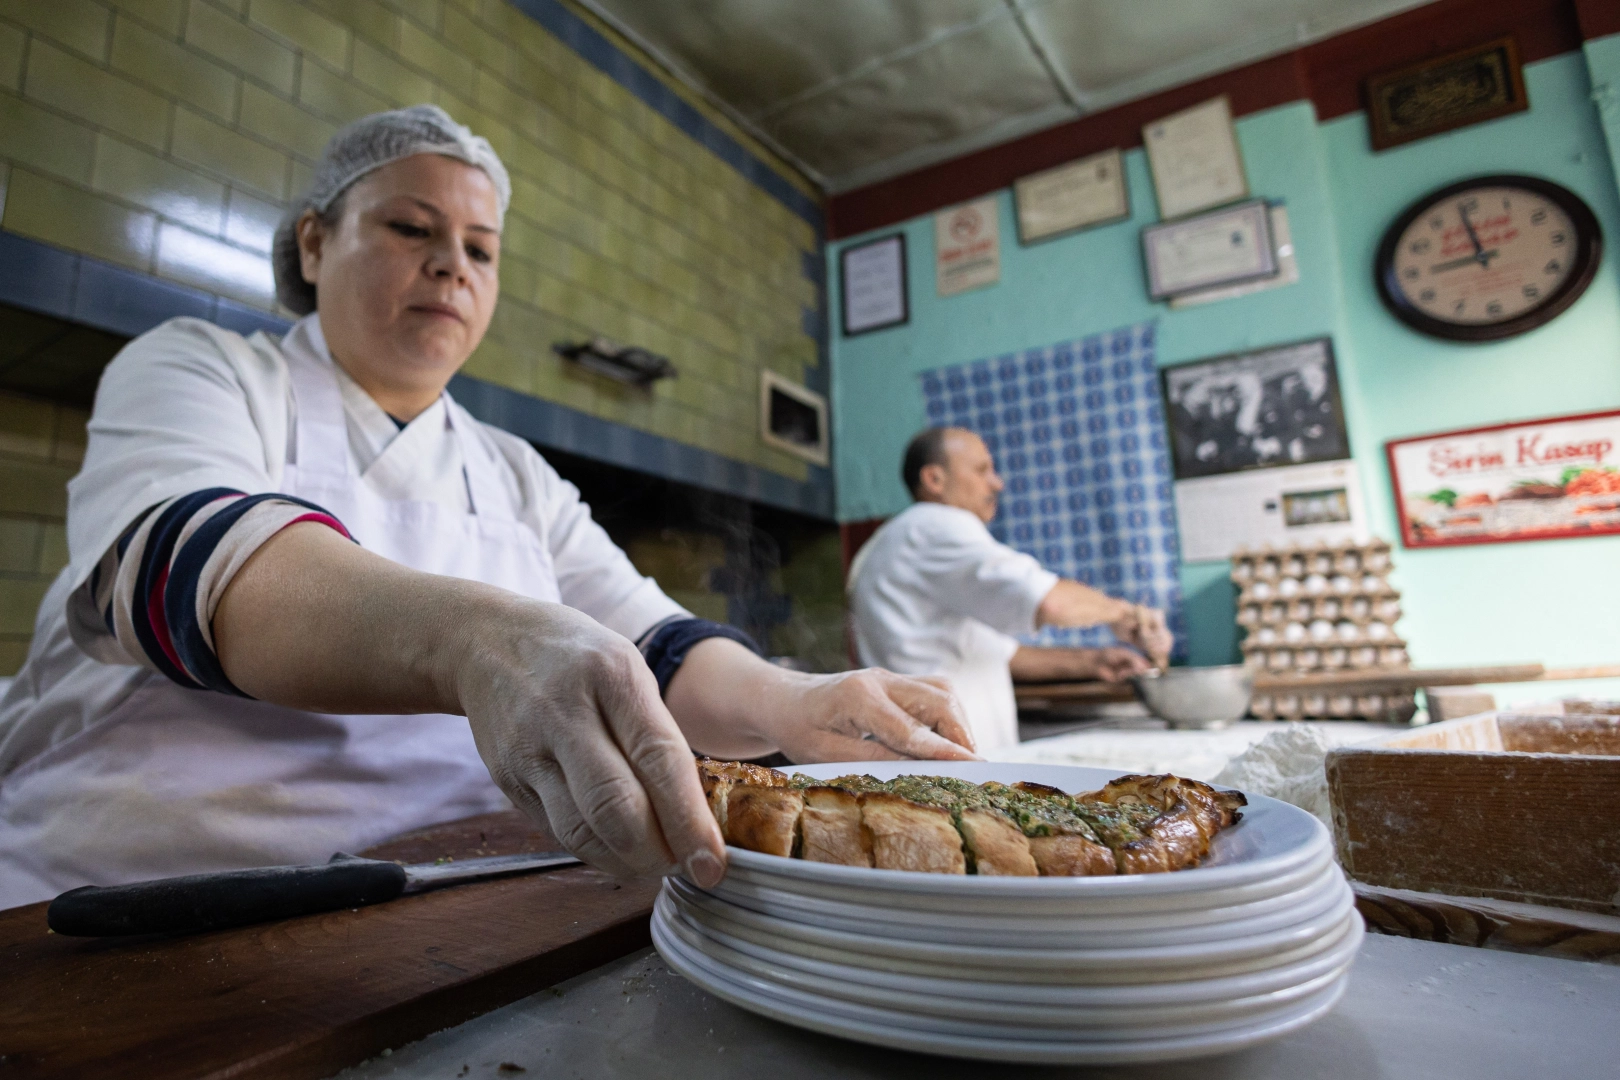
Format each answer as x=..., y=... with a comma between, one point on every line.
x=297, y=565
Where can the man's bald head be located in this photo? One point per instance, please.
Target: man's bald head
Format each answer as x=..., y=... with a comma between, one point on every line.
x=951, y=465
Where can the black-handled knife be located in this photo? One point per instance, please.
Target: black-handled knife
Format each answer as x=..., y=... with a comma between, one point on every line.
x=238, y=897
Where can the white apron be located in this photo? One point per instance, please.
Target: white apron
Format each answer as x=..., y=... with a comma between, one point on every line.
x=179, y=781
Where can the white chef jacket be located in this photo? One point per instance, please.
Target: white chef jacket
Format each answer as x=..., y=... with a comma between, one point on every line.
x=191, y=406
x=933, y=593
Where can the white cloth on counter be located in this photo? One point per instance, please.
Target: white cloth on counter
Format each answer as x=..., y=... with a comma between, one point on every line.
x=933, y=593
x=111, y=772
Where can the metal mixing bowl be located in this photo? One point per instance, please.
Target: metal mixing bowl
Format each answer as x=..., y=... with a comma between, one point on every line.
x=1197, y=697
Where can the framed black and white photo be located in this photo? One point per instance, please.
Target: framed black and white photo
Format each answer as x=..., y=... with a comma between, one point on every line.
x=1254, y=410
x=873, y=285
x=1222, y=247
x=793, y=418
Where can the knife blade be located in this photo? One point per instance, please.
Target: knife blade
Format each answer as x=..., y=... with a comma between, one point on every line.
x=238, y=897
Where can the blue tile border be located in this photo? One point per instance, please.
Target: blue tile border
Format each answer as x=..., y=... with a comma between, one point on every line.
x=52, y=281
x=601, y=53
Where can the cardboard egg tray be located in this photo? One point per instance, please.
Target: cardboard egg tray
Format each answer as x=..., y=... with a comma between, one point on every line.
x=1316, y=610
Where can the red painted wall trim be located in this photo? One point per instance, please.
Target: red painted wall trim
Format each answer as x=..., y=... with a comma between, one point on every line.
x=1328, y=73
x=1599, y=18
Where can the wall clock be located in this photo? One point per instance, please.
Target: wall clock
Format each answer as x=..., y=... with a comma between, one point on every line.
x=1488, y=258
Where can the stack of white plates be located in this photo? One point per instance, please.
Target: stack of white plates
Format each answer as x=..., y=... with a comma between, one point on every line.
x=1254, y=943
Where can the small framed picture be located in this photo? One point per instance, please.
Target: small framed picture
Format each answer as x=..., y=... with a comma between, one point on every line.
x=793, y=418
x=873, y=285
x=1445, y=92
x=1256, y=410
x=1222, y=247
x=1078, y=195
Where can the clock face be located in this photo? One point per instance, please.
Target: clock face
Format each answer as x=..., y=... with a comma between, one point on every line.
x=1488, y=258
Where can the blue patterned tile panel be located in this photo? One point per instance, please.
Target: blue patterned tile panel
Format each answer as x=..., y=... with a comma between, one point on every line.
x=1077, y=431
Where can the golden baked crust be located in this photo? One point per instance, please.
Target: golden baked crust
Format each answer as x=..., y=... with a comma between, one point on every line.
x=831, y=828
x=999, y=846
x=763, y=818
x=910, y=836
x=1070, y=856
x=1138, y=824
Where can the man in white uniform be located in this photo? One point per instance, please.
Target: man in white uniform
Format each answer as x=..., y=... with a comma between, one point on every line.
x=933, y=593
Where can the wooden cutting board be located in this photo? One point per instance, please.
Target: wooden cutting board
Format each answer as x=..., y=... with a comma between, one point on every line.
x=310, y=996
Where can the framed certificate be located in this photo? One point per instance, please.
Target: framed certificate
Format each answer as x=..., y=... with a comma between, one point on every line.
x=1075, y=196
x=1219, y=248
x=873, y=284
x=967, y=247
x=1195, y=160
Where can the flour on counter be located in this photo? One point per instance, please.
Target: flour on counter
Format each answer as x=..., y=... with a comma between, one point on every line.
x=1287, y=765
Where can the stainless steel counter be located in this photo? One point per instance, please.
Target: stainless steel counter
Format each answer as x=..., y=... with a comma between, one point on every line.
x=1415, y=1010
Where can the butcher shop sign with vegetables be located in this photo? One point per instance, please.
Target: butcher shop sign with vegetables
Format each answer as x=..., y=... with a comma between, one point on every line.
x=1533, y=480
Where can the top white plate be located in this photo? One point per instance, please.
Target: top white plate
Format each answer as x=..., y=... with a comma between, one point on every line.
x=1272, y=839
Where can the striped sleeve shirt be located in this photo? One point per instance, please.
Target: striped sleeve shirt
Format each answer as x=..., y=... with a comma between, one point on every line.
x=157, y=588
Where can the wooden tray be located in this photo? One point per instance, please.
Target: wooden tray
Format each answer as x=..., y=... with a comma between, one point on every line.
x=1513, y=807
x=310, y=996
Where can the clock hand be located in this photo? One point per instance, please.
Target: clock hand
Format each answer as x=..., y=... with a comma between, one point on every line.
x=1483, y=258
x=1479, y=248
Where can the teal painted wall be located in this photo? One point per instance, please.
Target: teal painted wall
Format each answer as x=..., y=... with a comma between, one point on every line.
x=1552, y=601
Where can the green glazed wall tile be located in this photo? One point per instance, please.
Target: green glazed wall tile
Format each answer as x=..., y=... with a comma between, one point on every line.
x=201, y=141
x=309, y=30
x=251, y=222
x=13, y=651
x=423, y=49
x=31, y=136
x=142, y=178
x=77, y=220
x=164, y=15
x=197, y=260
x=19, y=544
x=173, y=69
x=27, y=426
x=250, y=51
x=68, y=447
x=78, y=24
x=283, y=123
x=53, y=548
x=423, y=12
x=379, y=71
x=473, y=41
x=33, y=487
x=57, y=78
x=366, y=18
x=19, y=603
x=11, y=54
x=334, y=97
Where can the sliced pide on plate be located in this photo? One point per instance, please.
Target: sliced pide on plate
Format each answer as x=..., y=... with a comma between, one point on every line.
x=944, y=825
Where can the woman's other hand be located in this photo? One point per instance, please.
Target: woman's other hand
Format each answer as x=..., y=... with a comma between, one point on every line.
x=732, y=704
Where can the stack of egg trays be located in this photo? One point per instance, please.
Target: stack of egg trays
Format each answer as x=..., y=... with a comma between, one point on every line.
x=1320, y=609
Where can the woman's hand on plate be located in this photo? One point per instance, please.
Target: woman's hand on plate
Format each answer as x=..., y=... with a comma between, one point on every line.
x=568, y=718
x=732, y=704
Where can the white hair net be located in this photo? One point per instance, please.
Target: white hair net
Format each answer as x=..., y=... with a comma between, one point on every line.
x=360, y=148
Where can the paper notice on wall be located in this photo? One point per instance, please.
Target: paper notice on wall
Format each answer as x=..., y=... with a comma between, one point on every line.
x=1291, y=504
x=967, y=247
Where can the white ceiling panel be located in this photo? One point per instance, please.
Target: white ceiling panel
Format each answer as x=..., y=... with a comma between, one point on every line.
x=855, y=91
x=954, y=88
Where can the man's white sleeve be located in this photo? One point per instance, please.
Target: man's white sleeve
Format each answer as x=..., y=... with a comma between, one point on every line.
x=974, y=575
